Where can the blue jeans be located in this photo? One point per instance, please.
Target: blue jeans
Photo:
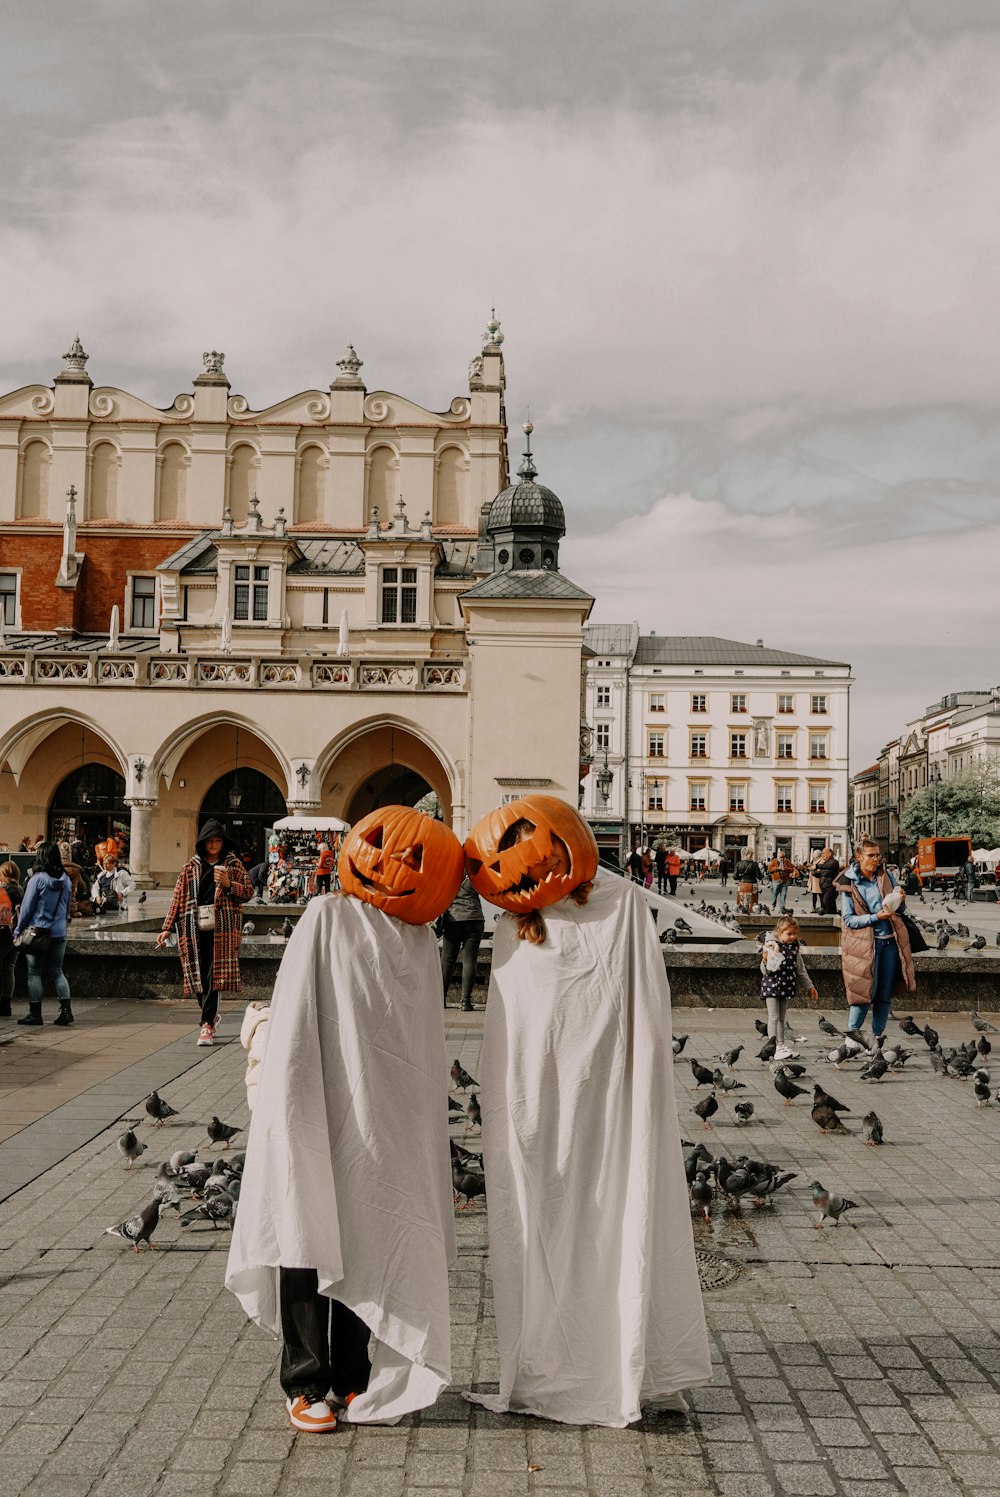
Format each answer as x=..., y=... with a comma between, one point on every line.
x=47, y=966
x=779, y=893
x=888, y=970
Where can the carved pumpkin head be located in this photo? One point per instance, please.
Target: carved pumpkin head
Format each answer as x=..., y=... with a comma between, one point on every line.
x=403, y=862
x=530, y=853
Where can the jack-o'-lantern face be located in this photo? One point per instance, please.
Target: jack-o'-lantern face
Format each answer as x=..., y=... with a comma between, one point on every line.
x=530, y=853
x=402, y=862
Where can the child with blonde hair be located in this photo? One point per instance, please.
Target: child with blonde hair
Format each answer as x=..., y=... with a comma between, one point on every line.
x=782, y=972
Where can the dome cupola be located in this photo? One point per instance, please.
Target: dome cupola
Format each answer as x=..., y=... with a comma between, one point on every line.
x=526, y=521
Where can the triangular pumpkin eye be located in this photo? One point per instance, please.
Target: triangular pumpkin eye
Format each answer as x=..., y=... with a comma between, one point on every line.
x=475, y=866
x=412, y=856
x=374, y=836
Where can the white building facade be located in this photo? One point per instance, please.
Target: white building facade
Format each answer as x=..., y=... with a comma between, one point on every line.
x=715, y=742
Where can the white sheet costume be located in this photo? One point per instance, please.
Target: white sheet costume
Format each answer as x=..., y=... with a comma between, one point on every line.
x=347, y=1167
x=598, y=1305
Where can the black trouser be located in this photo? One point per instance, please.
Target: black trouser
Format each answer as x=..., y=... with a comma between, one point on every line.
x=206, y=959
x=661, y=882
x=322, y=883
x=9, y=954
x=326, y=1344
x=673, y=882
x=461, y=936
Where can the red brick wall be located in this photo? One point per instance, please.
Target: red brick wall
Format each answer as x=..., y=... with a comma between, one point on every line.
x=102, y=583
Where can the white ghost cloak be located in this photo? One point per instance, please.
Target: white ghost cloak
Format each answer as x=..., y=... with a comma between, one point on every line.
x=347, y=1168
x=598, y=1305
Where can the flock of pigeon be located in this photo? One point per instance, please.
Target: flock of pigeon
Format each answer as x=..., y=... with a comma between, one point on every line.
x=758, y=1180
x=181, y=1179
x=468, y=1176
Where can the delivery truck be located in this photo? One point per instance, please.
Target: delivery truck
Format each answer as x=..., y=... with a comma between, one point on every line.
x=940, y=858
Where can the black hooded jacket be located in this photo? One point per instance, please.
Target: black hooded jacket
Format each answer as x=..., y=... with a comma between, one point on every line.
x=206, y=879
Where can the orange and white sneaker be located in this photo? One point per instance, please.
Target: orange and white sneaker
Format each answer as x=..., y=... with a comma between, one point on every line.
x=315, y=1418
x=206, y=1034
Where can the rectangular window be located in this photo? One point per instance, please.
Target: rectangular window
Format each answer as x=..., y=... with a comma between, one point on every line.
x=654, y=795
x=737, y=745
x=8, y=598
x=241, y=594
x=260, y=594
x=326, y=605
x=143, y=613
x=399, y=595
x=656, y=745
x=699, y=745
x=783, y=798
x=738, y=702
x=786, y=746
x=737, y=796
x=657, y=701
x=817, y=746
x=699, y=702
x=603, y=735
x=817, y=799
x=786, y=702
x=604, y=696
x=697, y=795
x=817, y=705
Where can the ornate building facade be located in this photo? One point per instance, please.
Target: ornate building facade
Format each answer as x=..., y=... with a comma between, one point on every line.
x=316, y=607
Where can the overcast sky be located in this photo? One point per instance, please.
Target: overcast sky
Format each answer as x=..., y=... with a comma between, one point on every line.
x=744, y=254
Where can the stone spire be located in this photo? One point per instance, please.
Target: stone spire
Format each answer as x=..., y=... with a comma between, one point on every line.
x=75, y=360
x=350, y=366
x=493, y=337
x=69, y=565
x=527, y=470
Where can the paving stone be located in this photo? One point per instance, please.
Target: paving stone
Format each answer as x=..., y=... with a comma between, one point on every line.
x=809, y=1480
x=252, y=1479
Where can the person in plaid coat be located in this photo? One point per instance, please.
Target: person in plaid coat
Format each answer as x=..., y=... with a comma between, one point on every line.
x=207, y=914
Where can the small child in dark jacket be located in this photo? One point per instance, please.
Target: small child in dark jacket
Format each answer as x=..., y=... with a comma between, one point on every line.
x=782, y=971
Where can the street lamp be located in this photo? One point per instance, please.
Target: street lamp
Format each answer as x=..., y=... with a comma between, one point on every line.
x=605, y=775
x=236, y=789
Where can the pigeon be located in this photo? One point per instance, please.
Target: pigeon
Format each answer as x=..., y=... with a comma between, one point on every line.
x=461, y=1078
x=465, y=1157
x=137, y=1229
x=678, y=1042
x=761, y=1027
x=681, y=924
x=743, y=1111
x=706, y=1108
x=908, y=1026
x=768, y=1184
x=982, y=1026
x=982, y=1090
x=197, y=1176
x=467, y=1183
x=976, y=944
x=871, y=1127
x=766, y=1052
x=454, y=1106
x=826, y=1119
x=248, y=928
x=474, y=1111
x=668, y=937
x=142, y=898
x=931, y=1037
x=829, y=1205
x=702, y=1075
x=182, y=1157
x=727, y=1083
x=730, y=1057
x=819, y=1095
x=847, y=1050
x=937, y=1062
x=875, y=1068
x=963, y=931
x=159, y=1110
x=828, y=1028
x=983, y=1046
x=701, y=1195
x=221, y=1133
x=166, y=1192
x=219, y=1210
x=286, y=927
x=785, y=1087
x=942, y=940
x=131, y=1147
x=792, y=1068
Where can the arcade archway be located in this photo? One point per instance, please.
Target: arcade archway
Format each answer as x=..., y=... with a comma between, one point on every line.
x=247, y=803
x=384, y=765
x=90, y=803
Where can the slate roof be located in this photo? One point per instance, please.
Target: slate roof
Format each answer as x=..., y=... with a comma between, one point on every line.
x=612, y=639
x=527, y=584
x=323, y=556
x=526, y=505
x=707, y=649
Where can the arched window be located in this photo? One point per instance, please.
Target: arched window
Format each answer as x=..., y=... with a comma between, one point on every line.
x=382, y=482
x=310, y=496
x=171, y=501
x=449, y=497
x=103, y=482
x=34, y=482
x=248, y=803
x=244, y=466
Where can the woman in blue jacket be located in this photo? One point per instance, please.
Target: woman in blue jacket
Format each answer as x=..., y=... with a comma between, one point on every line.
x=46, y=907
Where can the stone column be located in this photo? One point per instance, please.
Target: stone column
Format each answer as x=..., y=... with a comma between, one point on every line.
x=138, y=851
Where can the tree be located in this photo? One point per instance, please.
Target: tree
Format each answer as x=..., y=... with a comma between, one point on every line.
x=968, y=805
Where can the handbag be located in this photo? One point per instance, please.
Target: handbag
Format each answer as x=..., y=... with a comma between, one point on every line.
x=914, y=934
x=205, y=917
x=35, y=938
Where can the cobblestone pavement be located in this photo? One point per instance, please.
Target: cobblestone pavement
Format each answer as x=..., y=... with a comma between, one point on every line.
x=858, y=1360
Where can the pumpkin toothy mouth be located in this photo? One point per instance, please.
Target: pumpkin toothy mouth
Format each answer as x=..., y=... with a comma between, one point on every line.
x=370, y=883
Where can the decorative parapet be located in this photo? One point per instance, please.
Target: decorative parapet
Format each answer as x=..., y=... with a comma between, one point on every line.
x=225, y=673
x=63, y=668
x=392, y=676
x=325, y=673
x=26, y=667
x=173, y=671
x=279, y=673
x=12, y=668
x=111, y=671
x=449, y=677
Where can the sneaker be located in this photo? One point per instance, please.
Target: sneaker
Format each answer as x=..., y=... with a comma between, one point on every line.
x=206, y=1034
x=785, y=1052
x=315, y=1418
